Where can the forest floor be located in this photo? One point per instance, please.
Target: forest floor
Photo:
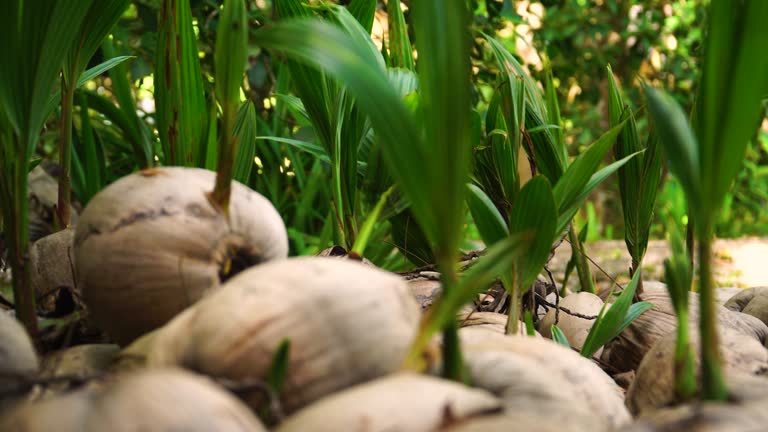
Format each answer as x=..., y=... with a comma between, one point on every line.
x=739, y=263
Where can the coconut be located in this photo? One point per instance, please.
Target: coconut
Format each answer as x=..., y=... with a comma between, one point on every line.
x=18, y=359
x=653, y=386
x=161, y=400
x=472, y=321
x=399, y=402
x=576, y=329
x=626, y=351
x=152, y=243
x=347, y=323
x=62, y=414
x=574, y=378
x=168, y=400
x=522, y=421
x=744, y=412
x=751, y=301
x=53, y=266
x=530, y=391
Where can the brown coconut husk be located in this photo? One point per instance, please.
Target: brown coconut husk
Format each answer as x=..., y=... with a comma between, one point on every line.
x=751, y=301
x=576, y=379
x=152, y=243
x=744, y=412
x=626, y=351
x=18, y=359
x=575, y=328
x=74, y=365
x=347, y=323
x=43, y=197
x=53, y=266
x=398, y=402
x=653, y=386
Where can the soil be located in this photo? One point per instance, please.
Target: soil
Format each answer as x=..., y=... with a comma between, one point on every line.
x=738, y=262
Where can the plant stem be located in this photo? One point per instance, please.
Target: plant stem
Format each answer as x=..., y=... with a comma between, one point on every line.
x=65, y=153
x=453, y=365
x=513, y=319
x=685, y=378
x=227, y=148
x=17, y=230
x=582, y=268
x=713, y=381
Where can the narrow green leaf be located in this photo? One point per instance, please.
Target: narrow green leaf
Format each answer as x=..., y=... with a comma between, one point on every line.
x=611, y=322
x=489, y=221
x=582, y=168
x=401, y=52
x=279, y=368
x=245, y=132
x=680, y=145
x=534, y=211
x=496, y=261
x=101, y=68
x=559, y=337
x=530, y=330
x=311, y=148
x=365, y=232
x=568, y=213
x=364, y=12
x=180, y=102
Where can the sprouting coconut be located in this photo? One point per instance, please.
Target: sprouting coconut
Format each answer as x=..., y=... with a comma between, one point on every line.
x=152, y=243
x=398, y=402
x=18, y=359
x=627, y=350
x=152, y=400
x=654, y=386
x=347, y=323
x=745, y=411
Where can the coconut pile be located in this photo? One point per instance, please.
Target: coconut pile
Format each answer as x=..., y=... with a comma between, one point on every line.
x=199, y=310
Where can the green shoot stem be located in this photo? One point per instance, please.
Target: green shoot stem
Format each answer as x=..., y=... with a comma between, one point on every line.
x=713, y=381
x=685, y=378
x=17, y=230
x=453, y=363
x=65, y=153
x=513, y=319
x=227, y=148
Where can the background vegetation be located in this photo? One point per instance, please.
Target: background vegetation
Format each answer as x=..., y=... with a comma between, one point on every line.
x=121, y=118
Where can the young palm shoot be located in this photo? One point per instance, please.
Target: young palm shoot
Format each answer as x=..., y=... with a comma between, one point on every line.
x=679, y=276
x=707, y=157
x=230, y=56
x=101, y=17
x=37, y=36
x=638, y=179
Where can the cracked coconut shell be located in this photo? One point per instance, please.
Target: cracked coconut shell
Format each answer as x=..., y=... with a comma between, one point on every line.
x=347, y=323
x=151, y=244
